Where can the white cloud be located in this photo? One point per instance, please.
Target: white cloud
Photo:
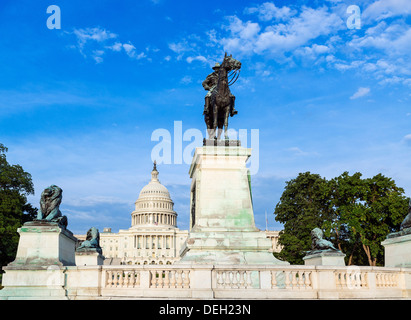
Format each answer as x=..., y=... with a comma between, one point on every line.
x=186, y=80
x=393, y=38
x=268, y=11
x=179, y=47
x=317, y=37
x=97, y=41
x=361, y=92
x=249, y=37
x=313, y=51
x=116, y=47
x=97, y=56
x=383, y=9
x=96, y=34
x=197, y=58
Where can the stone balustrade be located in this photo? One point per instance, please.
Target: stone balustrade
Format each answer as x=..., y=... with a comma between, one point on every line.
x=207, y=282
x=236, y=282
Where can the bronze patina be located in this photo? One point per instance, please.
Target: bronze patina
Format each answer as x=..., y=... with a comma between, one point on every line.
x=219, y=101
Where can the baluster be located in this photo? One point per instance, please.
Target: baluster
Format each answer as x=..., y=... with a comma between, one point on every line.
x=115, y=279
x=357, y=276
x=153, y=278
x=351, y=281
x=387, y=280
x=234, y=281
x=378, y=280
x=226, y=279
x=179, y=278
x=300, y=279
x=344, y=279
x=395, y=280
x=364, y=280
x=120, y=278
x=132, y=279
x=125, y=279
x=338, y=282
x=137, y=282
x=242, y=283
x=167, y=279
x=287, y=279
x=109, y=279
x=391, y=276
x=273, y=279
x=307, y=281
x=159, y=282
x=173, y=279
x=383, y=280
x=294, y=279
x=186, y=279
x=220, y=281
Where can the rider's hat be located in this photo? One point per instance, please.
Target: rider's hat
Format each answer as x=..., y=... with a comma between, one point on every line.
x=217, y=66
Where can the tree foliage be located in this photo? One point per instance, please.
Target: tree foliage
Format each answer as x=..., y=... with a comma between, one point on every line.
x=356, y=214
x=15, y=186
x=304, y=205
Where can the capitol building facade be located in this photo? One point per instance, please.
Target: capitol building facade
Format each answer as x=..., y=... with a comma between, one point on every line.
x=154, y=237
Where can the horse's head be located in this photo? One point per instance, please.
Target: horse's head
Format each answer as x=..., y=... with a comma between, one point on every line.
x=229, y=63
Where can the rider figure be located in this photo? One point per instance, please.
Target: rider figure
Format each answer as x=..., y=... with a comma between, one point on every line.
x=210, y=83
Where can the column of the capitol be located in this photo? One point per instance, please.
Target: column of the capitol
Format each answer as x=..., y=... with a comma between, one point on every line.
x=45, y=248
x=222, y=228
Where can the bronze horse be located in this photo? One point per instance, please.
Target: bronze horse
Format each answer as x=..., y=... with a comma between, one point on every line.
x=221, y=100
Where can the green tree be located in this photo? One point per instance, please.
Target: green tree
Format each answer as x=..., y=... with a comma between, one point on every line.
x=15, y=186
x=346, y=197
x=304, y=205
x=356, y=214
x=366, y=211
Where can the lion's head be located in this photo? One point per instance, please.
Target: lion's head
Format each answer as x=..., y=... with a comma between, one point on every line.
x=93, y=234
x=316, y=234
x=50, y=200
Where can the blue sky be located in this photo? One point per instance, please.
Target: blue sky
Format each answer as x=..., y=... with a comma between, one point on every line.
x=78, y=105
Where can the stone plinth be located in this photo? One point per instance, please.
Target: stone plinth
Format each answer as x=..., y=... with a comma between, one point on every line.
x=44, y=251
x=325, y=258
x=44, y=243
x=89, y=257
x=397, y=250
x=222, y=228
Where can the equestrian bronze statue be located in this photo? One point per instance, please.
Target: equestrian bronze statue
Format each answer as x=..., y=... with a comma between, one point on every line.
x=219, y=102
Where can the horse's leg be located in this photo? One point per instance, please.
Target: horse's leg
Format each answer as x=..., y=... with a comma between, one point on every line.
x=215, y=113
x=220, y=130
x=227, y=113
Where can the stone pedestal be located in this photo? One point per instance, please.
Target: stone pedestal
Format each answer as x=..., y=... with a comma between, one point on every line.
x=325, y=258
x=89, y=257
x=44, y=243
x=222, y=228
x=38, y=272
x=397, y=249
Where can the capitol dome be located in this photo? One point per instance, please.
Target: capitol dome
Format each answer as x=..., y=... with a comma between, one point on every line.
x=154, y=206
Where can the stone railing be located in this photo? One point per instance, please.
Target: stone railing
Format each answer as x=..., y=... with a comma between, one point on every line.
x=236, y=282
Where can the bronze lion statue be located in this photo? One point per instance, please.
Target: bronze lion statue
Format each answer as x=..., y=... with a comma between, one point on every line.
x=318, y=243
x=50, y=201
x=92, y=241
